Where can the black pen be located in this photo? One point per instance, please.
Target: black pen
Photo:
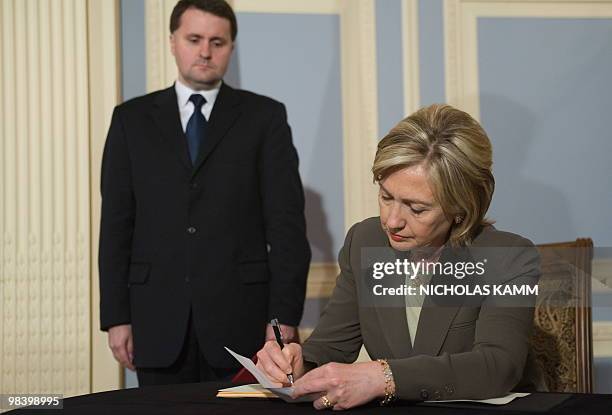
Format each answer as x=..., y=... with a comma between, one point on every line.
x=279, y=340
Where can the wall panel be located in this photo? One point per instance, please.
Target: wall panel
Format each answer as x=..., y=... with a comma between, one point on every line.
x=535, y=72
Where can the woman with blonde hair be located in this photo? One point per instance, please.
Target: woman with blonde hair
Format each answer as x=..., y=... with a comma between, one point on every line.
x=435, y=187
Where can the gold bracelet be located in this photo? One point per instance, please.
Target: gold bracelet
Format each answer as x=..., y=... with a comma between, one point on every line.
x=389, y=383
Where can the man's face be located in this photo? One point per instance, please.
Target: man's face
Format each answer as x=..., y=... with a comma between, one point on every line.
x=202, y=46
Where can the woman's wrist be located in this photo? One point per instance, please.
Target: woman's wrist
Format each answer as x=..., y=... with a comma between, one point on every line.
x=388, y=394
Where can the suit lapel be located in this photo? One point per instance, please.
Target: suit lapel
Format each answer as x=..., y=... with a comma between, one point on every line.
x=395, y=328
x=392, y=318
x=437, y=315
x=166, y=117
x=224, y=114
x=434, y=322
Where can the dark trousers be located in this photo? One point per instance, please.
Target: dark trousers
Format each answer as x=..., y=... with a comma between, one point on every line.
x=189, y=367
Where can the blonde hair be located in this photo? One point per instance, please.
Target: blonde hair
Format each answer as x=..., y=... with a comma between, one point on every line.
x=457, y=154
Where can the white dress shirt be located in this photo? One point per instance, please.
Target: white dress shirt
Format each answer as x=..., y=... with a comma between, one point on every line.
x=185, y=106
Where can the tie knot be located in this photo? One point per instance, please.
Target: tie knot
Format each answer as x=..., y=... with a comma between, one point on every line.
x=198, y=100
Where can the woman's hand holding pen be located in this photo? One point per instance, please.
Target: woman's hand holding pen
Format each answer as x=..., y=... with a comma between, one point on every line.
x=290, y=333
x=277, y=363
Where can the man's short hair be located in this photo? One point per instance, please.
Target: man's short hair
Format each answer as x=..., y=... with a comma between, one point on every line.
x=219, y=8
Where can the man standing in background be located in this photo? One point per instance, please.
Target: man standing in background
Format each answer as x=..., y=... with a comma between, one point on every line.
x=203, y=235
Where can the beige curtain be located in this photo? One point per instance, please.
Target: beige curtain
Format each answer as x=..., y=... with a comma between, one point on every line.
x=55, y=104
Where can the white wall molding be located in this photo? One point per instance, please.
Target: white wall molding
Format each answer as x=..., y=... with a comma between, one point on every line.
x=161, y=68
x=602, y=272
x=602, y=339
x=410, y=55
x=321, y=279
x=461, y=37
x=602, y=330
x=289, y=7
x=359, y=108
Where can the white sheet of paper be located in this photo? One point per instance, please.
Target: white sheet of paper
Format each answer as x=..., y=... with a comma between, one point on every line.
x=283, y=393
x=250, y=366
x=502, y=400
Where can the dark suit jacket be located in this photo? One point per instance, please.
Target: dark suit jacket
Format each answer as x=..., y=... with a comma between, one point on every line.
x=224, y=239
x=460, y=350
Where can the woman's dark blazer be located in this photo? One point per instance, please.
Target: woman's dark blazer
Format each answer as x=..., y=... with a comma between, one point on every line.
x=460, y=351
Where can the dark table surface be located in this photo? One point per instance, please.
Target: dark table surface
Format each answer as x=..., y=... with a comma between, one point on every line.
x=199, y=398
